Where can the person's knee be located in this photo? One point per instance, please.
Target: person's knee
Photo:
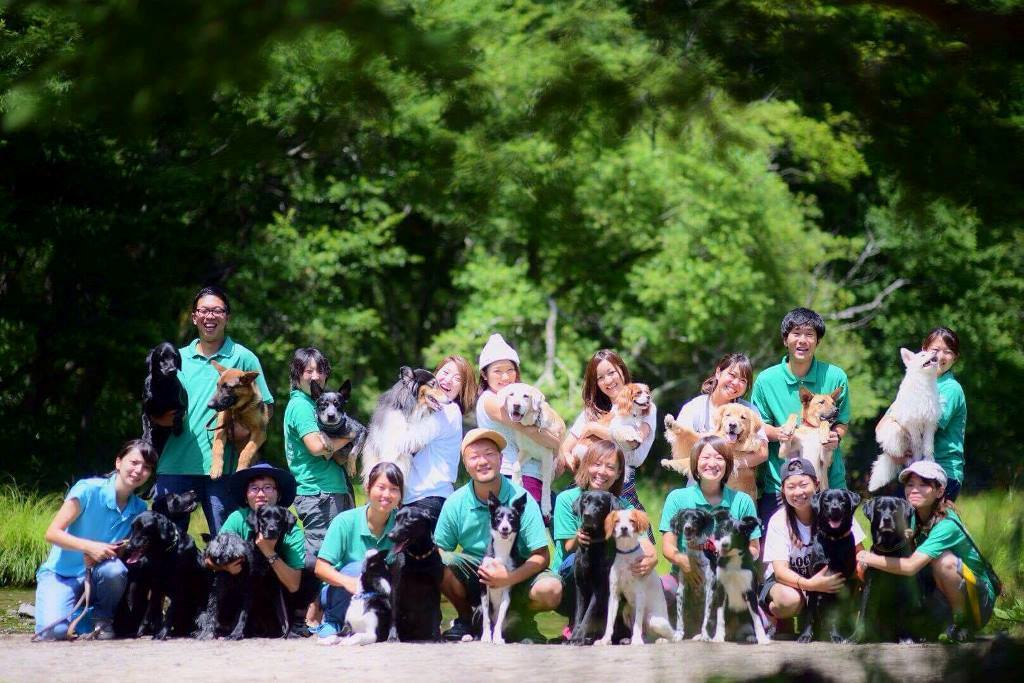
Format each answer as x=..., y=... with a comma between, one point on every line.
x=110, y=573
x=785, y=601
x=946, y=564
x=546, y=593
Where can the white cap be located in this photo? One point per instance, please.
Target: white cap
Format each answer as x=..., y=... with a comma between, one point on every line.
x=497, y=349
x=926, y=469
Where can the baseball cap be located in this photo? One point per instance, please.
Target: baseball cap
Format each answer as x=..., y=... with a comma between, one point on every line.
x=795, y=466
x=479, y=434
x=926, y=469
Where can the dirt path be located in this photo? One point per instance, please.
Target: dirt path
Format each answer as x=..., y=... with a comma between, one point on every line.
x=262, y=660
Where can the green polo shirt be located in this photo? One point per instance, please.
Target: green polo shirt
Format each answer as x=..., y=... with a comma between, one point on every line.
x=776, y=395
x=738, y=503
x=949, y=437
x=291, y=548
x=313, y=474
x=349, y=537
x=948, y=535
x=465, y=521
x=189, y=452
x=566, y=522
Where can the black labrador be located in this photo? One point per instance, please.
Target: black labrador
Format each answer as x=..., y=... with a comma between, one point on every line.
x=891, y=607
x=162, y=392
x=231, y=595
x=592, y=566
x=149, y=555
x=417, y=572
x=833, y=534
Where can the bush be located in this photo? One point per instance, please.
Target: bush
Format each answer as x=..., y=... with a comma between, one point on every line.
x=24, y=517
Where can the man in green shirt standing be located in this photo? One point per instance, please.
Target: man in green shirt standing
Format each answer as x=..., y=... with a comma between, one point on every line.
x=776, y=395
x=185, y=462
x=465, y=522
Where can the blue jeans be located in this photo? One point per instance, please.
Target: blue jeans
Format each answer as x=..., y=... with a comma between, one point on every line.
x=56, y=596
x=335, y=599
x=213, y=493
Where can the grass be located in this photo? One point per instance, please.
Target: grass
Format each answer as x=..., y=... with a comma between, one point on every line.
x=995, y=519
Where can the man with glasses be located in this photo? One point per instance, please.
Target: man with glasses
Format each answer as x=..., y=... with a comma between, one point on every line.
x=185, y=462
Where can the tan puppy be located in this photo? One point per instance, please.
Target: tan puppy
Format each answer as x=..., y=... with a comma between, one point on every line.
x=739, y=425
x=237, y=401
x=816, y=418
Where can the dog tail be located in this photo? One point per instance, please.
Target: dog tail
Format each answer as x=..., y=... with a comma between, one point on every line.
x=883, y=471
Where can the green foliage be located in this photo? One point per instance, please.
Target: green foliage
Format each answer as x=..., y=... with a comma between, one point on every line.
x=24, y=517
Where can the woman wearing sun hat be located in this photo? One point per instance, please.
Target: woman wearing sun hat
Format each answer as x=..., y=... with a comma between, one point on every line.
x=960, y=585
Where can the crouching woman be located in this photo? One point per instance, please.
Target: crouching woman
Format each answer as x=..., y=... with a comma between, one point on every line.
x=960, y=586
x=97, y=513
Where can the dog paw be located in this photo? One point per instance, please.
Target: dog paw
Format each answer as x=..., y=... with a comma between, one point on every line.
x=234, y=636
x=467, y=638
x=485, y=638
x=216, y=472
x=804, y=638
x=603, y=641
x=718, y=639
x=499, y=641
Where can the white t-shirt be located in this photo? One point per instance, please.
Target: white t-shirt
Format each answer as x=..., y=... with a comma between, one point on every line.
x=696, y=414
x=637, y=457
x=778, y=546
x=511, y=451
x=436, y=466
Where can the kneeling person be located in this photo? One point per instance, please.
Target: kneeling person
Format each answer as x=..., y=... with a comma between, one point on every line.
x=465, y=523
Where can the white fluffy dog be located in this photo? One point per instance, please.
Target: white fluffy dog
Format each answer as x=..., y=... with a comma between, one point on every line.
x=646, y=608
x=526, y=405
x=909, y=424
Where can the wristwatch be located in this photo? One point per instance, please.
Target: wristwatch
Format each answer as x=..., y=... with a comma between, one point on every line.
x=271, y=559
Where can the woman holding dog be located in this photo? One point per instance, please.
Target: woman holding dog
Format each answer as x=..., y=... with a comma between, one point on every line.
x=435, y=467
x=350, y=535
x=602, y=468
x=960, y=585
x=499, y=367
x=85, y=533
x=605, y=376
x=788, y=546
x=728, y=383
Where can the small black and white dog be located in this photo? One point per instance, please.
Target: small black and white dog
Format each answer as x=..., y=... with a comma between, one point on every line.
x=416, y=572
x=162, y=392
x=833, y=534
x=593, y=565
x=890, y=609
x=231, y=595
x=695, y=527
x=494, y=602
x=369, y=612
x=335, y=422
x=735, y=575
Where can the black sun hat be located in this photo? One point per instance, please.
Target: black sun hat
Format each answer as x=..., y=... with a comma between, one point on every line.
x=240, y=482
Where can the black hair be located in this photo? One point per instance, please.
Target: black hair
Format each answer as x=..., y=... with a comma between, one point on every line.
x=948, y=337
x=801, y=317
x=301, y=358
x=145, y=449
x=212, y=290
x=389, y=471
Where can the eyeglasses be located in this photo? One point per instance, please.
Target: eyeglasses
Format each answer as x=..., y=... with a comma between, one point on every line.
x=216, y=312
x=266, y=488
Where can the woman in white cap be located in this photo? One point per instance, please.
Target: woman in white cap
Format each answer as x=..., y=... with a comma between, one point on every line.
x=499, y=367
x=960, y=585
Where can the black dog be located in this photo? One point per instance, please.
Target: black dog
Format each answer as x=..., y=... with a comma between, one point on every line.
x=150, y=556
x=736, y=576
x=833, y=534
x=890, y=608
x=695, y=527
x=231, y=595
x=417, y=571
x=162, y=392
x=369, y=612
x=270, y=614
x=592, y=566
x=189, y=582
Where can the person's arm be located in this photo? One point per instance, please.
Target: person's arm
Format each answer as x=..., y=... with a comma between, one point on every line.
x=644, y=565
x=332, y=577
x=753, y=460
x=548, y=438
x=287, y=575
x=323, y=446
x=903, y=566
x=822, y=582
x=57, y=534
x=497, y=576
x=755, y=547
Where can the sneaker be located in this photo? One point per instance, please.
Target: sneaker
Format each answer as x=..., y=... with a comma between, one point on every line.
x=458, y=631
x=327, y=633
x=103, y=629
x=956, y=634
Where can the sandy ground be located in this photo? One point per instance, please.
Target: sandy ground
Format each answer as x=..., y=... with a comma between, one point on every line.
x=295, y=659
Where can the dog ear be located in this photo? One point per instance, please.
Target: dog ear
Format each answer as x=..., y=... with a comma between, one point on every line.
x=837, y=393
x=218, y=367
x=816, y=501
x=315, y=390
x=806, y=395
x=721, y=516
x=248, y=378
x=676, y=525
x=716, y=417
x=345, y=390
x=206, y=538
x=854, y=499
x=907, y=355
x=289, y=523
x=576, y=506
x=748, y=524
x=609, y=524
x=405, y=373
x=869, y=509
x=908, y=510
x=177, y=359
x=519, y=504
x=253, y=520
x=640, y=521
x=616, y=503
x=492, y=502
x=149, y=359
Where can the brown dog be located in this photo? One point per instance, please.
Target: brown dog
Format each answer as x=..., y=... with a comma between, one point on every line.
x=816, y=418
x=237, y=401
x=734, y=422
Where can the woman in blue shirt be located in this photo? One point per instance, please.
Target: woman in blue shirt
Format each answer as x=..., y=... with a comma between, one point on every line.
x=96, y=515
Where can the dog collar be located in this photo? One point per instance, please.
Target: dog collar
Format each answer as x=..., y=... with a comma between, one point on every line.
x=880, y=547
x=628, y=552
x=424, y=556
x=365, y=595
x=839, y=538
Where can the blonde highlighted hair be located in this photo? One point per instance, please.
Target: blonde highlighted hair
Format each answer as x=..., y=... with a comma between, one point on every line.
x=598, y=449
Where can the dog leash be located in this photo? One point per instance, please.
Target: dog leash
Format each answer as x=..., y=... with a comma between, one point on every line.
x=83, y=602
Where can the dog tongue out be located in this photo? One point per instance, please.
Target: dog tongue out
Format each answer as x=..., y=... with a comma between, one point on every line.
x=731, y=437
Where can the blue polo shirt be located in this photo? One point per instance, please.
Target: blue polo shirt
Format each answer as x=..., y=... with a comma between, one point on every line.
x=190, y=452
x=99, y=520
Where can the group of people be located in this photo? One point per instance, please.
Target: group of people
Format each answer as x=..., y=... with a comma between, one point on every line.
x=319, y=561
